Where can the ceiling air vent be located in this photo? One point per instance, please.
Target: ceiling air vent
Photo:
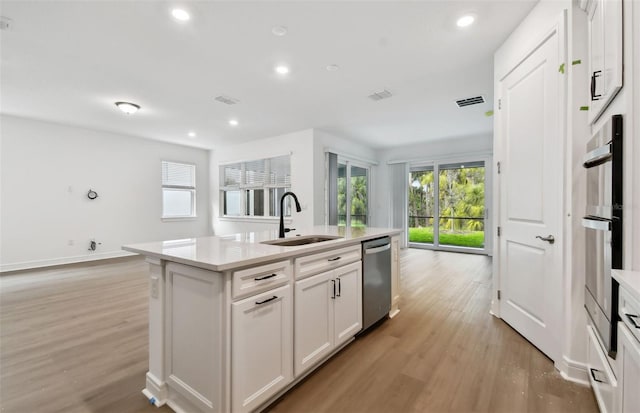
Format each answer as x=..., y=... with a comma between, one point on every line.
x=384, y=94
x=469, y=101
x=226, y=100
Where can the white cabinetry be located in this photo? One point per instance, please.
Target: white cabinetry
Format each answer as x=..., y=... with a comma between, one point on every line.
x=629, y=353
x=328, y=312
x=601, y=376
x=261, y=352
x=605, y=53
x=395, y=275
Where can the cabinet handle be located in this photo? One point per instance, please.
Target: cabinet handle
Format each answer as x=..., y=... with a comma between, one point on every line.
x=632, y=319
x=339, y=287
x=593, y=374
x=334, y=259
x=267, y=300
x=334, y=289
x=595, y=76
x=265, y=277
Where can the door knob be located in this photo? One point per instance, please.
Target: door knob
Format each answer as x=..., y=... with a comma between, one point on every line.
x=549, y=238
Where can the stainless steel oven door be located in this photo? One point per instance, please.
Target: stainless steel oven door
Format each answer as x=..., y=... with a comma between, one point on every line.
x=599, y=178
x=598, y=297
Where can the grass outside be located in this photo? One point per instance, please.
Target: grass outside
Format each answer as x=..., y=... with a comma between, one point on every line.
x=471, y=239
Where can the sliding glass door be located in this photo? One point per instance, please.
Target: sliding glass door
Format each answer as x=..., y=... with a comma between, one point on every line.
x=353, y=195
x=421, y=205
x=447, y=212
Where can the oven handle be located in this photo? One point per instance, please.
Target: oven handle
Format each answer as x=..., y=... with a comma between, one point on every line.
x=598, y=156
x=600, y=224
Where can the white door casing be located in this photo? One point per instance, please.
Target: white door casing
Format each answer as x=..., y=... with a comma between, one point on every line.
x=530, y=188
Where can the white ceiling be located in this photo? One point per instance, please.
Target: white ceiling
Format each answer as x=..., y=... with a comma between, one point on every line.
x=69, y=61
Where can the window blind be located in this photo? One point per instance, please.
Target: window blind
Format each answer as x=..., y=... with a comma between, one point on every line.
x=178, y=175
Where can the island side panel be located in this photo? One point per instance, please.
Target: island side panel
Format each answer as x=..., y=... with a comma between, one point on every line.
x=156, y=386
x=395, y=276
x=195, y=344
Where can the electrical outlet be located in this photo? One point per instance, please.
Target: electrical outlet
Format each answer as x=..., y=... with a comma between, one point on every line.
x=70, y=243
x=155, y=287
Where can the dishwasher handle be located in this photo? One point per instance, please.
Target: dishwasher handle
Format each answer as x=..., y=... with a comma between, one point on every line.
x=376, y=250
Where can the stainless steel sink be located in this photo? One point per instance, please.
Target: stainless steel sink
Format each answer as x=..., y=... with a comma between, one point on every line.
x=304, y=240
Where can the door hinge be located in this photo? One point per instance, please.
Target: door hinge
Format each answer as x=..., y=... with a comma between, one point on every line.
x=498, y=294
x=498, y=167
x=499, y=104
x=499, y=231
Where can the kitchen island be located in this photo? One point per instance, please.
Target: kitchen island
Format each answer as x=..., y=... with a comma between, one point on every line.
x=234, y=322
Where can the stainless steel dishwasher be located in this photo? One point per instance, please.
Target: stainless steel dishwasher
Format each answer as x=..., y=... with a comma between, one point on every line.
x=376, y=280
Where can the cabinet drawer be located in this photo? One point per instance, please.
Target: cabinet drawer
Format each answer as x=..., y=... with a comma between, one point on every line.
x=323, y=261
x=261, y=278
x=601, y=377
x=629, y=311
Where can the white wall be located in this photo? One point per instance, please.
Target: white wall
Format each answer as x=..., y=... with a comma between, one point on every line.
x=633, y=223
x=300, y=146
x=307, y=149
x=46, y=171
x=450, y=148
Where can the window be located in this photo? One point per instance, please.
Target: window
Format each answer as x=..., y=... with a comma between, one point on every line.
x=254, y=188
x=178, y=190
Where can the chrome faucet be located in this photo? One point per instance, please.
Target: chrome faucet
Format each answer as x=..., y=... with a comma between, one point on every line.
x=282, y=228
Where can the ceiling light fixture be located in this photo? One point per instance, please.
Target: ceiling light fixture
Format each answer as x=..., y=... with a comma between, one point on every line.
x=233, y=122
x=466, y=20
x=192, y=134
x=279, y=31
x=128, y=107
x=180, y=14
x=333, y=68
x=282, y=70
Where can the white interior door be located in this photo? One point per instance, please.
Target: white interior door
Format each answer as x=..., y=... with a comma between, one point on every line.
x=530, y=184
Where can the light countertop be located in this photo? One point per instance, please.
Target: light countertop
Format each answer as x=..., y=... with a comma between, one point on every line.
x=629, y=280
x=221, y=253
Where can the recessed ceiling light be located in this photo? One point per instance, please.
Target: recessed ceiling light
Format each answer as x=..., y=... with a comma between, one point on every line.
x=282, y=70
x=233, y=122
x=192, y=134
x=333, y=68
x=279, y=30
x=466, y=20
x=180, y=14
x=128, y=107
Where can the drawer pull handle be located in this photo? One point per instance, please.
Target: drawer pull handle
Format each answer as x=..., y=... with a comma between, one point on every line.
x=593, y=374
x=267, y=300
x=632, y=319
x=334, y=259
x=265, y=277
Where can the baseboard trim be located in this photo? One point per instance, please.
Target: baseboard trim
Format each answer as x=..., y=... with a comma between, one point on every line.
x=28, y=265
x=574, y=371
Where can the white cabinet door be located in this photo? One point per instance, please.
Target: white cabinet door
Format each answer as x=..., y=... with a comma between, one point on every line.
x=601, y=376
x=348, y=302
x=313, y=320
x=629, y=359
x=261, y=353
x=605, y=53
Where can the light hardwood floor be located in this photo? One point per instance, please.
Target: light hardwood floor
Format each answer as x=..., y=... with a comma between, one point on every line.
x=74, y=339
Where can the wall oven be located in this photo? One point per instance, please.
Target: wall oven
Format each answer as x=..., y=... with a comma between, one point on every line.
x=603, y=229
